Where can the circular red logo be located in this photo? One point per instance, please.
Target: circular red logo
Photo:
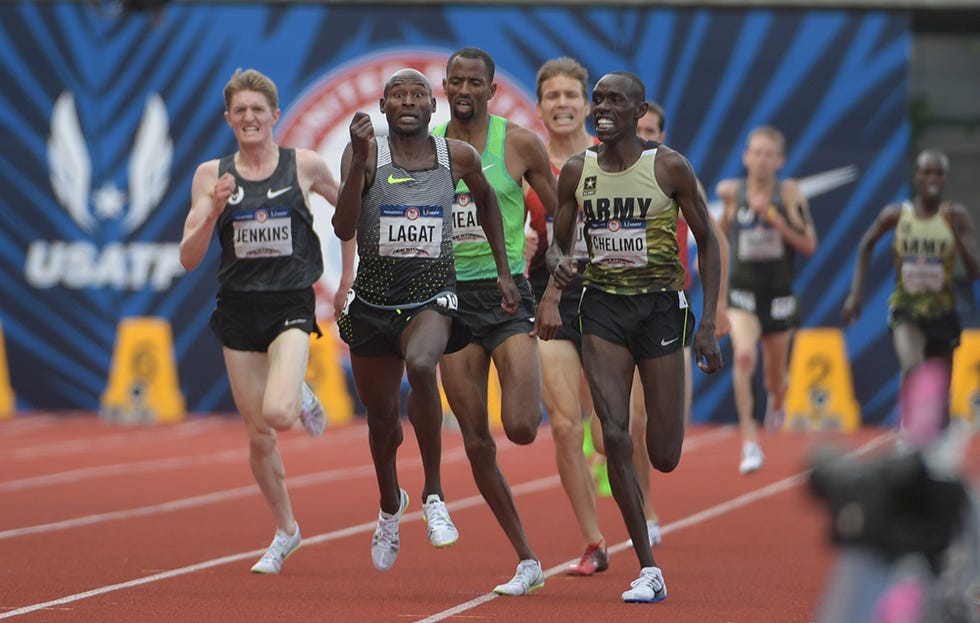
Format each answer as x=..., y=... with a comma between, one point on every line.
x=412, y=214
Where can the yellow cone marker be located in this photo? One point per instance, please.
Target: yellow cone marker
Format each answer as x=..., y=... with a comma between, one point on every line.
x=326, y=376
x=821, y=388
x=143, y=386
x=964, y=391
x=7, y=402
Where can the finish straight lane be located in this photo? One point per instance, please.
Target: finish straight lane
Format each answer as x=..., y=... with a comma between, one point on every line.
x=331, y=577
x=81, y=551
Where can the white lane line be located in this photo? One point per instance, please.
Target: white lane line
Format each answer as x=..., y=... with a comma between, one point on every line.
x=700, y=517
x=26, y=424
x=170, y=463
x=128, y=469
x=449, y=456
x=118, y=437
x=475, y=500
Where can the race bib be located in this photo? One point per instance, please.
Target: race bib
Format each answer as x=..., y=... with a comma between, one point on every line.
x=619, y=242
x=410, y=231
x=760, y=244
x=921, y=274
x=266, y=232
x=742, y=299
x=580, y=250
x=783, y=307
x=466, y=225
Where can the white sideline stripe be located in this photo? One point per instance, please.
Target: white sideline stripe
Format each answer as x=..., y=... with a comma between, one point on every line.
x=475, y=500
x=694, y=442
x=20, y=425
x=156, y=465
x=139, y=467
x=208, y=498
x=456, y=454
x=700, y=517
x=227, y=456
x=87, y=444
x=154, y=433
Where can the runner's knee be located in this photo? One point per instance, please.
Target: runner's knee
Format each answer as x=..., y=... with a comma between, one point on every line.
x=523, y=429
x=745, y=359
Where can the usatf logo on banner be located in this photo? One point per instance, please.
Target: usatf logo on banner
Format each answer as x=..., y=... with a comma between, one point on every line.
x=107, y=214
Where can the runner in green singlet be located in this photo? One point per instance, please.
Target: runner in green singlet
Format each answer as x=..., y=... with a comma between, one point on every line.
x=510, y=154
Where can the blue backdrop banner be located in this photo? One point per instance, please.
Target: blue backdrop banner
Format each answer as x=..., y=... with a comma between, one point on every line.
x=106, y=113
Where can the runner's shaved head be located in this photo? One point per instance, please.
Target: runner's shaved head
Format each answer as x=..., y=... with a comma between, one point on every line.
x=408, y=75
x=932, y=155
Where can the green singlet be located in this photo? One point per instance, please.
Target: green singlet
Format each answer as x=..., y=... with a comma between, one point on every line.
x=474, y=260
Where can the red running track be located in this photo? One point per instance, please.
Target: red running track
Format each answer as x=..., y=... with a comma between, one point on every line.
x=109, y=523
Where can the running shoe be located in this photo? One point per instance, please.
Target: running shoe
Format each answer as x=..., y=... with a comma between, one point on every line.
x=593, y=560
x=752, y=458
x=653, y=533
x=774, y=420
x=385, y=543
x=648, y=588
x=529, y=577
x=311, y=413
x=282, y=546
x=442, y=532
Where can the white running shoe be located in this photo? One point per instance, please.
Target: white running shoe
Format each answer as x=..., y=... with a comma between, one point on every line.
x=649, y=588
x=529, y=577
x=752, y=458
x=442, y=532
x=774, y=420
x=653, y=530
x=385, y=544
x=311, y=413
x=282, y=546
x=653, y=533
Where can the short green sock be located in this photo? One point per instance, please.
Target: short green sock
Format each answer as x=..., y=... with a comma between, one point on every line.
x=601, y=475
x=588, y=447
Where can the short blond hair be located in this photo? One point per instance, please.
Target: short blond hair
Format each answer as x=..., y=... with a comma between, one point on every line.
x=772, y=134
x=251, y=80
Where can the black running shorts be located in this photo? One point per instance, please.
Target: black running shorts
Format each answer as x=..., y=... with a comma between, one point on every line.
x=775, y=313
x=942, y=332
x=479, y=307
x=250, y=321
x=376, y=332
x=649, y=325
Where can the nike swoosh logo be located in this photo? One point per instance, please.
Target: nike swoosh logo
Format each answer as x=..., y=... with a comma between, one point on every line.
x=398, y=180
x=664, y=342
x=272, y=194
x=489, y=166
x=290, y=323
x=812, y=185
